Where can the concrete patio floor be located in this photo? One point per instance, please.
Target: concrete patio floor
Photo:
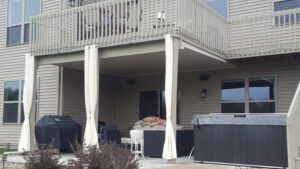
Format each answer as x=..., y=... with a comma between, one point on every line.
x=181, y=163
x=147, y=163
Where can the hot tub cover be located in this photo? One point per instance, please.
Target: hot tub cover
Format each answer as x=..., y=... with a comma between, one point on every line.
x=240, y=119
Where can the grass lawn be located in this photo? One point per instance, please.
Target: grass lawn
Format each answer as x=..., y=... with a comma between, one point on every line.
x=2, y=150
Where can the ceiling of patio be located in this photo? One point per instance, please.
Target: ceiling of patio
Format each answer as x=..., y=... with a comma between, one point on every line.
x=154, y=63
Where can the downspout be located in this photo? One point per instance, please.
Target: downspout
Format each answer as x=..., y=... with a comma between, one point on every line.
x=117, y=101
x=61, y=5
x=60, y=90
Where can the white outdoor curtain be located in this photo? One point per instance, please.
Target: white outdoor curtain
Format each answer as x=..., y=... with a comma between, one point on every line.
x=170, y=151
x=28, y=103
x=91, y=87
x=292, y=127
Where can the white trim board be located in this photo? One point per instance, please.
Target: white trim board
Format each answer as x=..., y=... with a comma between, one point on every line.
x=203, y=52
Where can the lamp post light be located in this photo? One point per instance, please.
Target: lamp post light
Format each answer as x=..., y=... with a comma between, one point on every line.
x=3, y=159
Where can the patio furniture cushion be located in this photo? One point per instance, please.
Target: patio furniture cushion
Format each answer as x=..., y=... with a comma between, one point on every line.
x=151, y=119
x=155, y=120
x=138, y=127
x=152, y=123
x=125, y=140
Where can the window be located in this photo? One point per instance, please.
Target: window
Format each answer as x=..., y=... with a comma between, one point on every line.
x=233, y=96
x=219, y=5
x=292, y=19
x=18, y=18
x=252, y=95
x=261, y=95
x=12, y=109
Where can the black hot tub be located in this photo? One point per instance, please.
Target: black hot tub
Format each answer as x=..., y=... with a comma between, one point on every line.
x=249, y=140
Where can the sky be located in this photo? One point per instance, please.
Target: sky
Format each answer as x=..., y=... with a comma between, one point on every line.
x=219, y=5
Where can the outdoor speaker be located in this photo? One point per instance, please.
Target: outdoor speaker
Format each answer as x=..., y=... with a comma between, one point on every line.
x=203, y=77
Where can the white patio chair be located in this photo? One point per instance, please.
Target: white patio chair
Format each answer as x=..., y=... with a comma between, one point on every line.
x=137, y=142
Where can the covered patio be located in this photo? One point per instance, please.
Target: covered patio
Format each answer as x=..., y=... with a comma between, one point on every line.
x=124, y=77
x=109, y=77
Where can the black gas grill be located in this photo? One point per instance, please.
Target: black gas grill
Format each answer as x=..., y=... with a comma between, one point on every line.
x=61, y=132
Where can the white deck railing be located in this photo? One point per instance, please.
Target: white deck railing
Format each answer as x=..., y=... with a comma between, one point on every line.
x=117, y=22
x=264, y=34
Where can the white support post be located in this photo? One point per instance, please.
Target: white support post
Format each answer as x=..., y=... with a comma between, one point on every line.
x=172, y=47
x=27, y=138
x=91, y=86
x=292, y=126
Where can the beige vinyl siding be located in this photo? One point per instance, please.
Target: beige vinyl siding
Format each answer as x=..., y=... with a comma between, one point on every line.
x=12, y=68
x=73, y=97
x=50, y=5
x=190, y=87
x=255, y=29
x=287, y=78
x=240, y=36
x=287, y=84
x=108, y=100
x=128, y=109
x=238, y=8
x=48, y=85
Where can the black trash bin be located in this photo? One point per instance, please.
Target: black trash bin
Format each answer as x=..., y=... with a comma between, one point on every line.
x=248, y=140
x=61, y=131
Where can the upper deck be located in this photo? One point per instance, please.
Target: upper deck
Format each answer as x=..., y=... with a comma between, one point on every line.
x=123, y=22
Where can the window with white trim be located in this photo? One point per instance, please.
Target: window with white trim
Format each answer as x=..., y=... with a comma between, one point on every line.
x=250, y=95
x=18, y=20
x=262, y=95
x=233, y=96
x=12, y=105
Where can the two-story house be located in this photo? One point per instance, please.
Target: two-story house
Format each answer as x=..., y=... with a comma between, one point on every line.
x=245, y=62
